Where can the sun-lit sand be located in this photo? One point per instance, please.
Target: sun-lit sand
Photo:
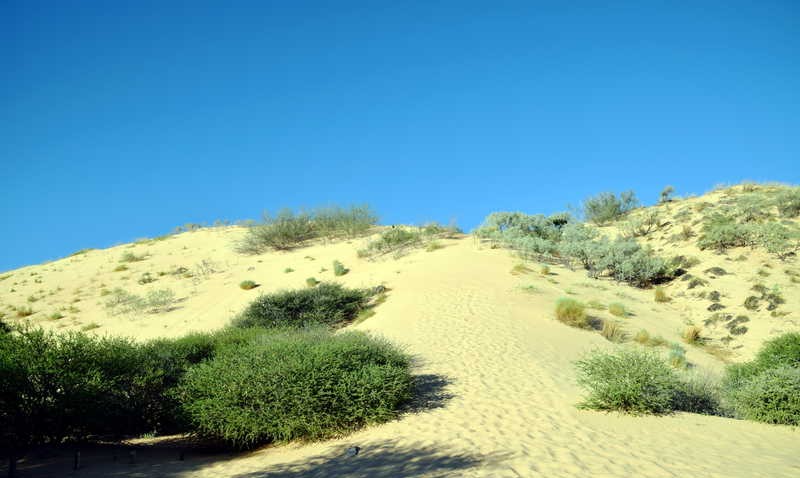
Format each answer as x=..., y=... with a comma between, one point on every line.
x=497, y=382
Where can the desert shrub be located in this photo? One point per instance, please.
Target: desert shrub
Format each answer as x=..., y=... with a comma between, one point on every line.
x=155, y=301
x=666, y=194
x=312, y=282
x=776, y=239
x=659, y=295
x=643, y=224
x=288, y=229
x=633, y=381
x=247, y=285
x=781, y=350
x=618, y=309
x=339, y=269
x=752, y=207
x=772, y=396
x=396, y=240
x=751, y=303
x=607, y=207
x=334, y=222
x=327, y=304
x=721, y=232
x=571, y=312
x=295, y=385
x=24, y=311
x=788, y=202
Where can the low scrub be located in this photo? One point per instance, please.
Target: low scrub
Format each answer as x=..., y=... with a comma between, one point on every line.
x=607, y=207
x=398, y=240
x=154, y=302
x=289, y=229
x=295, y=385
x=326, y=304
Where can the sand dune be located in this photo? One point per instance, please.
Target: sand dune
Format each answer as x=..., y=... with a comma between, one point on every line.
x=496, y=371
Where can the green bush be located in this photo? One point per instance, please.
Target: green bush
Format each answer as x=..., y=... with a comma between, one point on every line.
x=571, y=312
x=697, y=393
x=295, y=385
x=327, y=304
x=627, y=380
x=772, y=396
x=607, y=207
x=780, y=351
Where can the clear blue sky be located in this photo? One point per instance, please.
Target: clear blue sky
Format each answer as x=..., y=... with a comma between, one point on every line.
x=123, y=119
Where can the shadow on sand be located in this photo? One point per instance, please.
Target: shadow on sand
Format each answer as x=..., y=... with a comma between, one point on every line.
x=173, y=457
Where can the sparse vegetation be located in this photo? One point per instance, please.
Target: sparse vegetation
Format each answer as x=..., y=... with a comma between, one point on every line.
x=289, y=229
x=155, y=301
x=312, y=282
x=659, y=295
x=131, y=257
x=692, y=335
x=613, y=331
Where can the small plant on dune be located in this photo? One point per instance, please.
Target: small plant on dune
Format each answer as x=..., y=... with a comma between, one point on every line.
x=607, y=207
x=686, y=232
x=396, y=239
x=751, y=303
x=659, y=295
x=24, y=312
x=544, y=270
x=433, y=246
x=131, y=257
x=288, y=270
x=146, y=278
x=627, y=380
x=666, y=194
x=613, y=332
x=642, y=337
x=312, y=282
x=55, y=316
x=677, y=357
x=520, y=269
x=339, y=269
x=617, y=309
x=90, y=326
x=247, y=285
x=121, y=268
x=572, y=312
x=692, y=335
x=643, y=224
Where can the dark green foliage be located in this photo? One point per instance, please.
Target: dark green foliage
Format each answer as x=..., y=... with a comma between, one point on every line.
x=247, y=285
x=327, y=304
x=296, y=385
x=339, y=269
x=607, y=207
x=773, y=396
x=751, y=303
x=289, y=229
x=767, y=388
x=627, y=380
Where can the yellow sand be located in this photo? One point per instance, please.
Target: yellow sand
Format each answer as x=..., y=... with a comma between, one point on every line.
x=500, y=390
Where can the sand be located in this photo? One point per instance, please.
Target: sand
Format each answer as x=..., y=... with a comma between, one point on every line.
x=496, y=375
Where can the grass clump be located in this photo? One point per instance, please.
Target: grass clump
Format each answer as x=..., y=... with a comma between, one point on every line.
x=288, y=270
x=312, y=282
x=121, y=268
x=613, y=332
x=339, y=269
x=659, y=295
x=617, y=309
x=692, y=335
x=572, y=312
x=247, y=285
x=288, y=229
x=633, y=381
x=295, y=385
x=24, y=311
x=327, y=304
x=154, y=302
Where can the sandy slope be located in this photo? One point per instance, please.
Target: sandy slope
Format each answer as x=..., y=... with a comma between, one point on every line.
x=497, y=375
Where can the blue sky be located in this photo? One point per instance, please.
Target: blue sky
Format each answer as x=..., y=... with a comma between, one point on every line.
x=121, y=120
